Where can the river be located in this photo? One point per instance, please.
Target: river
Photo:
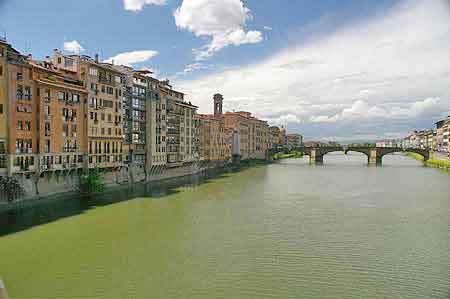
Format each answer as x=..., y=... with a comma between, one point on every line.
x=285, y=230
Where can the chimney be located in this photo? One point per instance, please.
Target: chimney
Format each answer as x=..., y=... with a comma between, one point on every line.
x=96, y=57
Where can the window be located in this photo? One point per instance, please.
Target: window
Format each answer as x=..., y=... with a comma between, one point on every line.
x=47, y=129
x=93, y=71
x=61, y=95
x=1, y=108
x=27, y=93
x=68, y=62
x=19, y=76
x=19, y=92
x=47, y=146
x=19, y=125
x=65, y=130
x=1, y=70
x=75, y=98
x=107, y=104
x=47, y=95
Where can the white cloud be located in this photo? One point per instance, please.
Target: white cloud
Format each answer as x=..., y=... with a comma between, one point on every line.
x=189, y=68
x=223, y=21
x=384, y=66
x=268, y=28
x=138, y=5
x=360, y=110
x=73, y=47
x=130, y=58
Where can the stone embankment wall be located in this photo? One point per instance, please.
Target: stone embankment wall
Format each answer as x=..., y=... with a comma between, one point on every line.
x=60, y=182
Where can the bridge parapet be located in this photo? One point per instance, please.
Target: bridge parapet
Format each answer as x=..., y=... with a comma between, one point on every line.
x=374, y=154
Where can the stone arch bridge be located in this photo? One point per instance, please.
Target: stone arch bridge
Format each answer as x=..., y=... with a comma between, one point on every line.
x=374, y=154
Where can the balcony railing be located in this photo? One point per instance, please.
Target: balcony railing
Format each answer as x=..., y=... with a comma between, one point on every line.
x=24, y=151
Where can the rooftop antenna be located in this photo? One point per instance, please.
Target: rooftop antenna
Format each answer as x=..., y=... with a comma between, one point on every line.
x=27, y=49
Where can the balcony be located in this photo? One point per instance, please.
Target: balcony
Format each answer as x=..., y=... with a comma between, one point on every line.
x=105, y=80
x=24, y=151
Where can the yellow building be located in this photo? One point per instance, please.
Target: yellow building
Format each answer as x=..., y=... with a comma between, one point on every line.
x=5, y=51
x=105, y=85
x=214, y=139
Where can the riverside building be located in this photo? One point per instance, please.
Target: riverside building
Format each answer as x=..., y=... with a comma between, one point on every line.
x=105, y=86
x=72, y=112
x=294, y=140
x=137, y=98
x=180, y=140
x=253, y=134
x=60, y=123
x=5, y=51
x=214, y=138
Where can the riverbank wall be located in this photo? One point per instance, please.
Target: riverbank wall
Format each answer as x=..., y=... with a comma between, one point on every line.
x=50, y=185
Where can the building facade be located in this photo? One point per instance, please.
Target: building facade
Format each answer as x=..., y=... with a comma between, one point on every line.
x=105, y=86
x=294, y=140
x=442, y=135
x=274, y=137
x=215, y=140
x=60, y=123
x=5, y=51
x=180, y=140
x=253, y=134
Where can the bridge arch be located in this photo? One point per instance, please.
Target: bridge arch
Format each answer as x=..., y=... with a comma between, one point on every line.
x=365, y=151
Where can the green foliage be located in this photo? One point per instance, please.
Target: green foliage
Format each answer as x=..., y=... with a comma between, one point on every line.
x=431, y=162
x=91, y=183
x=11, y=187
x=289, y=155
x=439, y=163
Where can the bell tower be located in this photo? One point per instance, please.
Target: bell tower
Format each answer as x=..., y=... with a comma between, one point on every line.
x=218, y=104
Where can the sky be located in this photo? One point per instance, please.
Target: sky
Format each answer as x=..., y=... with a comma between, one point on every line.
x=335, y=70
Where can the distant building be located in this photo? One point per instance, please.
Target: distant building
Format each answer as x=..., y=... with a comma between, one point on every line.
x=294, y=140
x=389, y=143
x=442, y=135
x=215, y=140
x=253, y=134
x=274, y=137
x=282, y=137
x=419, y=139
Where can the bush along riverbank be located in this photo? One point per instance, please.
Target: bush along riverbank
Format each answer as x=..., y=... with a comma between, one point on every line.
x=437, y=163
x=289, y=155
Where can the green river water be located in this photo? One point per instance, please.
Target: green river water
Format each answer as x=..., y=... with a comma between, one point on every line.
x=285, y=230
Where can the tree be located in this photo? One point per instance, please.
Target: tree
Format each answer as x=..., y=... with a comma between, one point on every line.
x=91, y=183
x=11, y=187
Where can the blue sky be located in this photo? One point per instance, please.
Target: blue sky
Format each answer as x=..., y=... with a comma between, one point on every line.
x=281, y=59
